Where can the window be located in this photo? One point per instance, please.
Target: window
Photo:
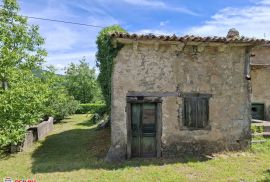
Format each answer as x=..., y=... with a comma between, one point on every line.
x=196, y=110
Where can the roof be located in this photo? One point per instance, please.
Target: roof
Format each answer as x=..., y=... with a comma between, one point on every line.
x=189, y=38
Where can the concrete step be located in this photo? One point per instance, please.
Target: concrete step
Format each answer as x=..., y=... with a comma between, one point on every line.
x=258, y=141
x=257, y=121
x=264, y=124
x=266, y=128
x=263, y=134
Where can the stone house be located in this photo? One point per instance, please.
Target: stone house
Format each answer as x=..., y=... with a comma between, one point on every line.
x=173, y=95
x=260, y=77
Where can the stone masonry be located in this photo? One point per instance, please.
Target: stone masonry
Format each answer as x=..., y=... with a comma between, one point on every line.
x=260, y=76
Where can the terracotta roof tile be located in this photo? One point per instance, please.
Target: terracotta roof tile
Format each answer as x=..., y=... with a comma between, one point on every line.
x=190, y=38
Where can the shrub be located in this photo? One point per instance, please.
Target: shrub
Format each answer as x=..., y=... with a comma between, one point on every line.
x=20, y=106
x=99, y=109
x=63, y=107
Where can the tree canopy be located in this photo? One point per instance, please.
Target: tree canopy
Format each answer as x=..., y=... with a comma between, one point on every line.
x=20, y=44
x=81, y=82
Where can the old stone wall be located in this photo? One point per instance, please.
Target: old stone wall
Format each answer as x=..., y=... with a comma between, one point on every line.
x=210, y=69
x=44, y=128
x=260, y=77
x=33, y=134
x=261, y=88
x=261, y=55
x=28, y=141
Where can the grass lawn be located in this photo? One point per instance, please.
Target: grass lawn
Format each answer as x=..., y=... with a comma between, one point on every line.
x=74, y=151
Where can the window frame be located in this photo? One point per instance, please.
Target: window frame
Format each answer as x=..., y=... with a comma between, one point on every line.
x=198, y=96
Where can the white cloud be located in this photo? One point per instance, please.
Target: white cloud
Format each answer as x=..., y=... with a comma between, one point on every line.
x=146, y=3
x=252, y=21
x=74, y=56
x=160, y=5
x=61, y=61
x=163, y=23
x=153, y=31
x=66, y=43
x=264, y=2
x=60, y=38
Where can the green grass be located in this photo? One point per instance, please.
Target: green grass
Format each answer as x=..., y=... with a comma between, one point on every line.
x=74, y=151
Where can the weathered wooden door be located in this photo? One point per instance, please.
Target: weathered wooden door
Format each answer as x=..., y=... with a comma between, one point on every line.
x=143, y=129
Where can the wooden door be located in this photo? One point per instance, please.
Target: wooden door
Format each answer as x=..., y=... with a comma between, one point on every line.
x=135, y=129
x=143, y=129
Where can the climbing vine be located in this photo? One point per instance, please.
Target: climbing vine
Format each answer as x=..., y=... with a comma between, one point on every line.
x=104, y=60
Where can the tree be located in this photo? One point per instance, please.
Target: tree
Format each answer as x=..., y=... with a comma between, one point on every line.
x=20, y=43
x=105, y=55
x=28, y=94
x=20, y=106
x=81, y=82
x=21, y=97
x=59, y=103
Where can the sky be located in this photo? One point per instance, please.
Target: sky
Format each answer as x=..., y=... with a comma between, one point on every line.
x=66, y=43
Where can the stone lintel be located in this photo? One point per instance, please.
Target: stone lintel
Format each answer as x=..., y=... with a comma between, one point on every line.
x=152, y=94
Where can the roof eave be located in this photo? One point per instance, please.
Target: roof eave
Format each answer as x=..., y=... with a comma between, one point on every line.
x=186, y=42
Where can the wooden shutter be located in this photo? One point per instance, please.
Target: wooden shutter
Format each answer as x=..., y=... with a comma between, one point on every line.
x=196, y=111
x=187, y=111
x=202, y=112
x=190, y=111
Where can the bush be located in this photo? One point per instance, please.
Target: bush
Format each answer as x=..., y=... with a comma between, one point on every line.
x=99, y=109
x=62, y=108
x=20, y=106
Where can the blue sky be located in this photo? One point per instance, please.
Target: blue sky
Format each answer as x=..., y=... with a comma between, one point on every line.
x=69, y=43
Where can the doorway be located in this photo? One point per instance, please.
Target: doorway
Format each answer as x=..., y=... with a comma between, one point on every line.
x=144, y=128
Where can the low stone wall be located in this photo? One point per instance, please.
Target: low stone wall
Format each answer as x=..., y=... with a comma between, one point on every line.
x=44, y=128
x=30, y=138
x=33, y=134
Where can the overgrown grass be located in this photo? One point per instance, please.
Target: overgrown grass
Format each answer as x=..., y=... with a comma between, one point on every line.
x=74, y=151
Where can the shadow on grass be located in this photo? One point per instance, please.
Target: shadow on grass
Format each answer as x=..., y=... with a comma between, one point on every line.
x=89, y=122
x=5, y=154
x=266, y=175
x=86, y=149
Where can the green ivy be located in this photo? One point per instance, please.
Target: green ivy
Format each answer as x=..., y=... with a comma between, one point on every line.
x=105, y=55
